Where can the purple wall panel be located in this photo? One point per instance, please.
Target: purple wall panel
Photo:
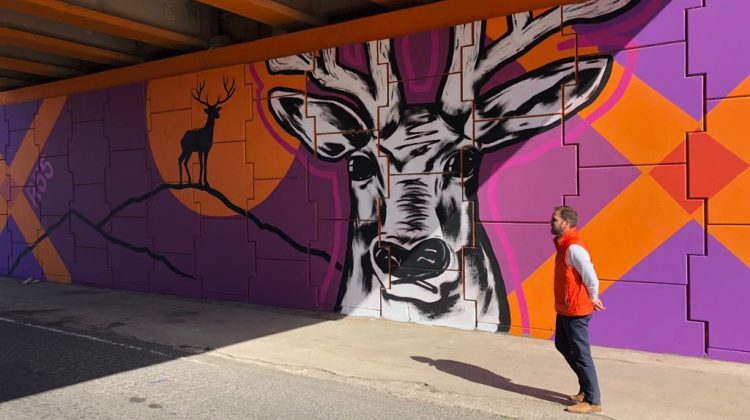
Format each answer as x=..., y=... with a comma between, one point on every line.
x=129, y=268
x=89, y=153
x=20, y=116
x=283, y=283
x=720, y=288
x=650, y=22
x=226, y=269
x=27, y=265
x=325, y=275
x=87, y=106
x=56, y=198
x=8, y=236
x=59, y=139
x=657, y=322
x=4, y=132
x=15, y=138
x=725, y=55
x=668, y=263
x=90, y=202
x=274, y=247
x=129, y=271
x=531, y=161
x=125, y=117
x=62, y=238
x=290, y=195
x=128, y=177
x=729, y=355
x=90, y=267
x=6, y=250
x=163, y=280
x=171, y=225
x=14, y=230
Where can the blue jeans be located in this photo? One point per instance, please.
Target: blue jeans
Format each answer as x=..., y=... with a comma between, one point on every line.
x=572, y=341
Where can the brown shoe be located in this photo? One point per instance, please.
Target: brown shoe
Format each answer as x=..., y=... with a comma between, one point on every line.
x=578, y=398
x=584, y=408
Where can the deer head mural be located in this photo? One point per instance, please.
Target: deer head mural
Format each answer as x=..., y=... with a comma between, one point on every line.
x=201, y=139
x=406, y=251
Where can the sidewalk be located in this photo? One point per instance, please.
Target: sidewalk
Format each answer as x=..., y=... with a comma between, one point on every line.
x=513, y=376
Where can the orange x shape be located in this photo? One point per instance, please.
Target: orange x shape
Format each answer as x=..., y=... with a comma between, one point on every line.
x=17, y=174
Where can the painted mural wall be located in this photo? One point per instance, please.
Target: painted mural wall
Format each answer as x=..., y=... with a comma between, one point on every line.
x=414, y=178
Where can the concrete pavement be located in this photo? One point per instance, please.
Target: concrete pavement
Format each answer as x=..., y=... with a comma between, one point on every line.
x=62, y=373
x=511, y=376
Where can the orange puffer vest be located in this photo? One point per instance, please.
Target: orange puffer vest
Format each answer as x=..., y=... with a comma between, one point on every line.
x=571, y=296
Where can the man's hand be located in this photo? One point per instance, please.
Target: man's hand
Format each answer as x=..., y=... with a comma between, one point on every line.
x=598, y=305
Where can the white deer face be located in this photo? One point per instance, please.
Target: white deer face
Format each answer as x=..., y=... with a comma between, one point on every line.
x=417, y=181
x=413, y=169
x=422, y=215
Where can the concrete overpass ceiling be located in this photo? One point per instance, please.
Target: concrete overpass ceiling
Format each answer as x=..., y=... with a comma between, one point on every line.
x=48, y=40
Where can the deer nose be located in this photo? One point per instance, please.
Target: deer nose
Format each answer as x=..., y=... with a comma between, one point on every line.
x=426, y=260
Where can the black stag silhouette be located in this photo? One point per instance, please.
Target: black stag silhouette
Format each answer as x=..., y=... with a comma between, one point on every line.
x=201, y=139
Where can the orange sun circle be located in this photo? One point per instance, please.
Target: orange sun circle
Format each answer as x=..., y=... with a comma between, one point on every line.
x=246, y=162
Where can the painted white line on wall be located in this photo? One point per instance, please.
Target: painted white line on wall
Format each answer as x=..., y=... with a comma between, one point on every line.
x=84, y=336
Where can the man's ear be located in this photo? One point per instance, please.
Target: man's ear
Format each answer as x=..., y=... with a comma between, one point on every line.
x=334, y=132
x=534, y=102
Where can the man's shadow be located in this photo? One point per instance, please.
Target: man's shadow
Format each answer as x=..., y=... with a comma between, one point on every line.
x=485, y=377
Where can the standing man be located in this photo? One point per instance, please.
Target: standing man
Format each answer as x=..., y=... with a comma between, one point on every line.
x=576, y=298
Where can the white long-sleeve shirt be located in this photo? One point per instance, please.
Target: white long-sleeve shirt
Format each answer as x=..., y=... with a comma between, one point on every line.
x=579, y=258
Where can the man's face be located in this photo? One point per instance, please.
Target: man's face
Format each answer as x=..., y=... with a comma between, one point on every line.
x=558, y=226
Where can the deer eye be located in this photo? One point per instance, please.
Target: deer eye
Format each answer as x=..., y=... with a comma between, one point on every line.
x=362, y=167
x=453, y=165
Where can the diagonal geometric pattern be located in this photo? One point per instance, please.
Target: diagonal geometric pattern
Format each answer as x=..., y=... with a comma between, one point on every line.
x=712, y=165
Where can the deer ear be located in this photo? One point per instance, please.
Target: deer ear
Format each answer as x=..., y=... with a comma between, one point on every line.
x=335, y=131
x=533, y=103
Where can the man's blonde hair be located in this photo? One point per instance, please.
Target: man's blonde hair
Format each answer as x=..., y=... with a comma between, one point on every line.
x=568, y=214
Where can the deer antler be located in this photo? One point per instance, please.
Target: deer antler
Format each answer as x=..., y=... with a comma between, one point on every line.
x=293, y=63
x=198, y=94
x=388, y=97
x=523, y=33
x=228, y=90
x=372, y=93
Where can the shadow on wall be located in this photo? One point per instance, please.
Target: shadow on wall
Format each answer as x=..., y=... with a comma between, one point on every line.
x=486, y=377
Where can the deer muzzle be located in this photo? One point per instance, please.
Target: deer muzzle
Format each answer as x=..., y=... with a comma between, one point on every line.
x=426, y=260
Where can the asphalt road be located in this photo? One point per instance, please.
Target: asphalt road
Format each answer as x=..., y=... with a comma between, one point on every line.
x=55, y=372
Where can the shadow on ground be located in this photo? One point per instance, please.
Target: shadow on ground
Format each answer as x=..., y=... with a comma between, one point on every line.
x=486, y=377
x=53, y=336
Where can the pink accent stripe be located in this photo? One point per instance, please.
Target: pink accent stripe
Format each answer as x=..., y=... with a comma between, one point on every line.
x=330, y=176
x=524, y=156
x=631, y=59
x=507, y=249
